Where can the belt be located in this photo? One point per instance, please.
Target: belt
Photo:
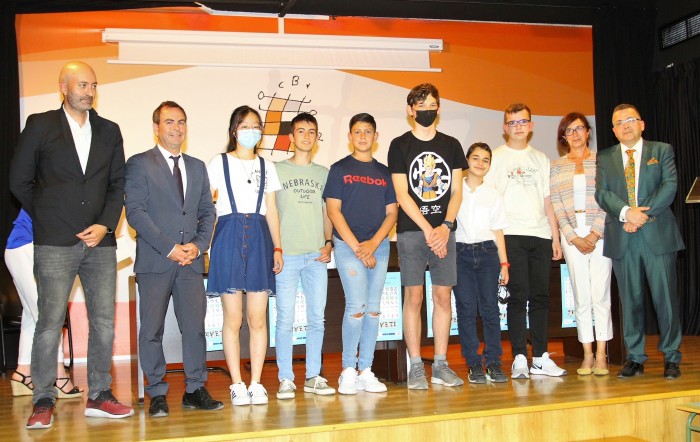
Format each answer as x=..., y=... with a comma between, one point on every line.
x=579, y=211
x=478, y=244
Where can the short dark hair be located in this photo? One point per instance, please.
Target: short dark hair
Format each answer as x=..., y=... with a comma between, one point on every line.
x=479, y=145
x=421, y=92
x=237, y=116
x=156, y=113
x=624, y=106
x=564, y=123
x=514, y=109
x=363, y=118
x=303, y=117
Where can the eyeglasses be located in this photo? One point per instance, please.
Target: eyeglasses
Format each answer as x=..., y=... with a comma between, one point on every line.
x=630, y=120
x=571, y=130
x=517, y=123
x=246, y=127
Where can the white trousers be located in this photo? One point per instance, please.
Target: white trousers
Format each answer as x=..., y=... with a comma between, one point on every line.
x=590, y=277
x=20, y=263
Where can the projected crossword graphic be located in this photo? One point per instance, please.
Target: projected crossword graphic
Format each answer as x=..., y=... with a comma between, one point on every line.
x=280, y=107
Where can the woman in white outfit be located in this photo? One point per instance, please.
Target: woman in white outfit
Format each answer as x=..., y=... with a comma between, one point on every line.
x=581, y=221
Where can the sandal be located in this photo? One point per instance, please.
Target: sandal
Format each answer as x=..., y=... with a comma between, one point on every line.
x=585, y=371
x=601, y=371
x=23, y=387
x=75, y=392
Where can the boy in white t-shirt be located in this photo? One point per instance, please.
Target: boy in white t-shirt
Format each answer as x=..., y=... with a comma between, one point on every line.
x=520, y=173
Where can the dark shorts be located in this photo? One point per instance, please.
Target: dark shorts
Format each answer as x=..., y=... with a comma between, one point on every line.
x=414, y=256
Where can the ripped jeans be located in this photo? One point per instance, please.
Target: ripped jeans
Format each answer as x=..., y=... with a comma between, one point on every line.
x=363, y=292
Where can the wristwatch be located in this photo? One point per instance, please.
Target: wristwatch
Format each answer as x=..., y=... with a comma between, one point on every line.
x=330, y=241
x=450, y=225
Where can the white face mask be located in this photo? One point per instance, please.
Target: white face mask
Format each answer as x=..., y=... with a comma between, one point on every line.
x=248, y=138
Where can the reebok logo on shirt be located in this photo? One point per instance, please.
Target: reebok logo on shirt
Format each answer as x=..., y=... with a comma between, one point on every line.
x=349, y=179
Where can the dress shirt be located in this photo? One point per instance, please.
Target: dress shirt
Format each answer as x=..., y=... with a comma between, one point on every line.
x=82, y=137
x=171, y=165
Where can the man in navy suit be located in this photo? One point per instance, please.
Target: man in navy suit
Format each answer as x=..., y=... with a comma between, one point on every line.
x=169, y=204
x=68, y=173
x=635, y=184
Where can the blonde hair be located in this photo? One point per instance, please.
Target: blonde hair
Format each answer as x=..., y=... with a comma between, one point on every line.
x=429, y=161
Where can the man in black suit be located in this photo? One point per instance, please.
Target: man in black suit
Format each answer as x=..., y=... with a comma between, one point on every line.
x=169, y=204
x=68, y=173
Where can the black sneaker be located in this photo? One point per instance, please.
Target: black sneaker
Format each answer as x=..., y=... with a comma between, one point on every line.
x=159, y=407
x=201, y=400
x=476, y=375
x=495, y=374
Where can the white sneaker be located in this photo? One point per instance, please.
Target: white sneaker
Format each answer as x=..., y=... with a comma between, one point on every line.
x=546, y=366
x=368, y=382
x=286, y=390
x=347, y=382
x=257, y=393
x=519, y=368
x=239, y=394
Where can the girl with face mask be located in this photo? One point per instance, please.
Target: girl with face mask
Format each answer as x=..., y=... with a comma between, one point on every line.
x=246, y=249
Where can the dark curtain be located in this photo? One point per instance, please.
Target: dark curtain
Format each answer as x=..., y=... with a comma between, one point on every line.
x=676, y=104
x=623, y=50
x=9, y=113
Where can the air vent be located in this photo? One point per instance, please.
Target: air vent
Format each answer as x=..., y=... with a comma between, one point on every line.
x=680, y=31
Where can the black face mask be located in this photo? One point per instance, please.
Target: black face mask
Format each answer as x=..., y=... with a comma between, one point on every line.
x=426, y=117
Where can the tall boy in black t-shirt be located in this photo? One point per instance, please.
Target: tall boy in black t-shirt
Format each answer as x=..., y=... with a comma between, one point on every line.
x=426, y=169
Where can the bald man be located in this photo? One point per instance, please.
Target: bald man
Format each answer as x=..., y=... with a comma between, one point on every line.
x=68, y=173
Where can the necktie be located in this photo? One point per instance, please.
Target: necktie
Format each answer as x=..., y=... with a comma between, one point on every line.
x=177, y=174
x=630, y=178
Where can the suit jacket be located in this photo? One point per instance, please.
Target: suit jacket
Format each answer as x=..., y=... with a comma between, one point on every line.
x=656, y=189
x=46, y=177
x=155, y=211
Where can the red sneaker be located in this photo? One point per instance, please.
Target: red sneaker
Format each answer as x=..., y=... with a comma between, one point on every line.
x=42, y=416
x=105, y=405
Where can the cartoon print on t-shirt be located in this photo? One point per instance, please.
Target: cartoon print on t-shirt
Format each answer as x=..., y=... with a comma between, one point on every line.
x=523, y=175
x=429, y=177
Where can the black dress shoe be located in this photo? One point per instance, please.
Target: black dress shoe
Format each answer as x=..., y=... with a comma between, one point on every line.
x=158, y=408
x=200, y=399
x=631, y=369
x=671, y=371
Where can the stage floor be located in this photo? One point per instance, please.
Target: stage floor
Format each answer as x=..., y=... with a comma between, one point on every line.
x=550, y=402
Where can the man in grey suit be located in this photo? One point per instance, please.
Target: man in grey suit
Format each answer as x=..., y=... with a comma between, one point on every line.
x=169, y=204
x=636, y=184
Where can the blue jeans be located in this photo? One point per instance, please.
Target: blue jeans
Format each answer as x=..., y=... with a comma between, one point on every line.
x=55, y=269
x=478, y=268
x=363, y=293
x=314, y=281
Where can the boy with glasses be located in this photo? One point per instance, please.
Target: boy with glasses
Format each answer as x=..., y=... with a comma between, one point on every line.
x=520, y=173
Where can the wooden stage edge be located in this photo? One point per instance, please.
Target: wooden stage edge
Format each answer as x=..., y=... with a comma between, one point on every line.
x=570, y=408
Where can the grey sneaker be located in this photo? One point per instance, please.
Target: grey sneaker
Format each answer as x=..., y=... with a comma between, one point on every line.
x=286, y=390
x=444, y=375
x=318, y=385
x=495, y=374
x=476, y=375
x=416, y=377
